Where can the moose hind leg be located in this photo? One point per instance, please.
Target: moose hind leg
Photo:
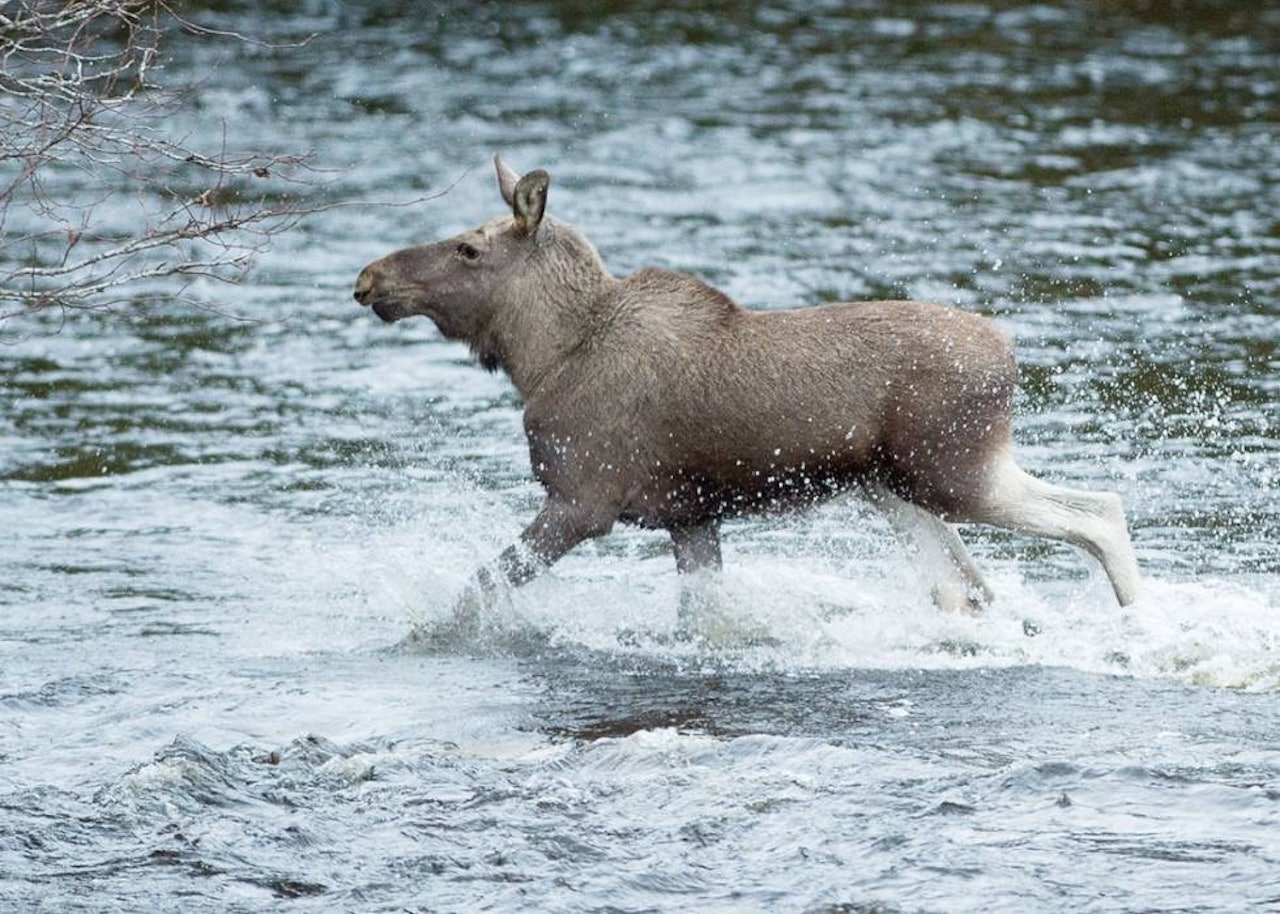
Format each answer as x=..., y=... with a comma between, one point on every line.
x=1094, y=521
x=959, y=586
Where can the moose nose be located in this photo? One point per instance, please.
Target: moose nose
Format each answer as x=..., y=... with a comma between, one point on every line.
x=364, y=284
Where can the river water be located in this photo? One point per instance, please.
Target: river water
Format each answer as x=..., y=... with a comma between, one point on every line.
x=218, y=524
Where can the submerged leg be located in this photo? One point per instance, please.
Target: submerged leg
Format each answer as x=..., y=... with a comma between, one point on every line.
x=558, y=527
x=697, y=549
x=960, y=586
x=697, y=546
x=1093, y=521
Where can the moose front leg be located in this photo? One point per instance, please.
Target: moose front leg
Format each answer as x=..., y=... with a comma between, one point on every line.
x=559, y=526
x=697, y=546
x=697, y=549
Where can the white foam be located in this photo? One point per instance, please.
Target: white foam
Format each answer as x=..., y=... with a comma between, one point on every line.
x=861, y=605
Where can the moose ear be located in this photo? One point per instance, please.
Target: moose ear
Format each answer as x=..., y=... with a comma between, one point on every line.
x=507, y=180
x=530, y=200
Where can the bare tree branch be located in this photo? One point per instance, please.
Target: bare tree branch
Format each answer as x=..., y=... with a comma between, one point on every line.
x=98, y=198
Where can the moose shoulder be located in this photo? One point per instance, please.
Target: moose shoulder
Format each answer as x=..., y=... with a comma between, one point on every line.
x=656, y=400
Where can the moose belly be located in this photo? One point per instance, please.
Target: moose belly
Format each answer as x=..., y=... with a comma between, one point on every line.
x=742, y=489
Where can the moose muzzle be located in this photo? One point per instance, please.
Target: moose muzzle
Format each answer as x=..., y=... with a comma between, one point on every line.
x=364, y=285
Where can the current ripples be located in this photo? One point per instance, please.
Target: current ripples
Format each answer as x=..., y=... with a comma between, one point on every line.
x=920, y=797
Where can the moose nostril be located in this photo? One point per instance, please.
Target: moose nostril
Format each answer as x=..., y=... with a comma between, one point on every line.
x=364, y=285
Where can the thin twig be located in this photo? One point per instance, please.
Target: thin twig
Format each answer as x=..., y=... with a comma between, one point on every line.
x=79, y=94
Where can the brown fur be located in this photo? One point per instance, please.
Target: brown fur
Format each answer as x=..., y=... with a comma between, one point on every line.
x=655, y=399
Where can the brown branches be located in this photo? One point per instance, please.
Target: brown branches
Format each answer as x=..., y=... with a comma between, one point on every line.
x=98, y=199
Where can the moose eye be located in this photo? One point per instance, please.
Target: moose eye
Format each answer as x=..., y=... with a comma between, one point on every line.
x=467, y=252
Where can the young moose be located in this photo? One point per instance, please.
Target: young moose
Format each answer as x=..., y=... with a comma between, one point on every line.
x=656, y=400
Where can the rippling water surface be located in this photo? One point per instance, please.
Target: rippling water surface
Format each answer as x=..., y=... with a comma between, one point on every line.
x=217, y=529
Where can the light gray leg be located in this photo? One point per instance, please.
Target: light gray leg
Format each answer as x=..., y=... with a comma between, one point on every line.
x=1093, y=521
x=960, y=586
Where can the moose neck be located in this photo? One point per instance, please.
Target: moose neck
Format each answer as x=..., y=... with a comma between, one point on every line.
x=550, y=310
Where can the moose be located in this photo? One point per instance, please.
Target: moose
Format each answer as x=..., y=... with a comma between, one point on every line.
x=656, y=400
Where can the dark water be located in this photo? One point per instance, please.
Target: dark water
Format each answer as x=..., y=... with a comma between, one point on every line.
x=215, y=528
